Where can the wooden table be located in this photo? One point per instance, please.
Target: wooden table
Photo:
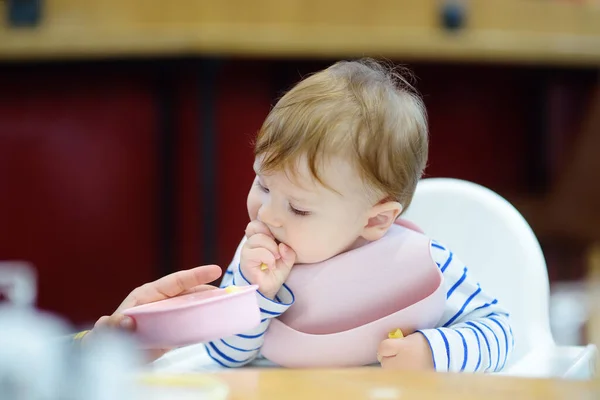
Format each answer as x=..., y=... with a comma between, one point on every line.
x=377, y=384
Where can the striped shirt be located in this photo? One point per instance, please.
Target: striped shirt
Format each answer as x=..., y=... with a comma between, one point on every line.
x=474, y=333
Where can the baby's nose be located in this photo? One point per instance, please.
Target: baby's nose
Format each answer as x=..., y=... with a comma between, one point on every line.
x=268, y=217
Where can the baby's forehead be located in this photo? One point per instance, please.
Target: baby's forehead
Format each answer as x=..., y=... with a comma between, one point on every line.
x=333, y=176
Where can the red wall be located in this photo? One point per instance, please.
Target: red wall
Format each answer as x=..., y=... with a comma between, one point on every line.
x=77, y=183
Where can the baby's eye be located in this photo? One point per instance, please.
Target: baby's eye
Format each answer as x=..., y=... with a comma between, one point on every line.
x=299, y=212
x=261, y=187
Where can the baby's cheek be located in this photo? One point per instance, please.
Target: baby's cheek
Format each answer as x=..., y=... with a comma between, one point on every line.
x=311, y=250
x=253, y=206
x=252, y=213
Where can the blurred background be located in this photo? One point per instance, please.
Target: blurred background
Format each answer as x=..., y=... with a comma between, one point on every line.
x=125, y=125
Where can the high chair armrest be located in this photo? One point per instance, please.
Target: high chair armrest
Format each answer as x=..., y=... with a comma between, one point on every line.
x=568, y=362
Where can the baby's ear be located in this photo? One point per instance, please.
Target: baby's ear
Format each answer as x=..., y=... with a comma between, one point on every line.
x=381, y=217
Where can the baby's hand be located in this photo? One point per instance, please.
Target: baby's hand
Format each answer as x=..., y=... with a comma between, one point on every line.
x=261, y=250
x=410, y=352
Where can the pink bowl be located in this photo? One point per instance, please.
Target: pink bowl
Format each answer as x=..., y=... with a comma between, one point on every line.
x=196, y=317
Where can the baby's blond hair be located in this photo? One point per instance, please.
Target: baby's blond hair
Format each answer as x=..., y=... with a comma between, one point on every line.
x=361, y=110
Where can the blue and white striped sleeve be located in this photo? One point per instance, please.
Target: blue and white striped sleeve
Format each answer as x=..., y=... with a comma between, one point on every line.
x=475, y=333
x=241, y=349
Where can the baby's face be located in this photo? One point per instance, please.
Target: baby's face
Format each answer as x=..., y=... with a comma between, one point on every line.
x=316, y=222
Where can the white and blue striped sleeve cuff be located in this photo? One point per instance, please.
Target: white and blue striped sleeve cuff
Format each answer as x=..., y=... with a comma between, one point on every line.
x=238, y=350
x=480, y=345
x=241, y=349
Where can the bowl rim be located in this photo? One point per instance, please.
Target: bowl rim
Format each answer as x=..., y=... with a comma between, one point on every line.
x=148, y=308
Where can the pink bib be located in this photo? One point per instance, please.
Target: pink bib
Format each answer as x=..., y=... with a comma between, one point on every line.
x=345, y=306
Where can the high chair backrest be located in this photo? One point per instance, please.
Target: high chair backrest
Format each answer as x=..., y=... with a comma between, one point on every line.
x=498, y=246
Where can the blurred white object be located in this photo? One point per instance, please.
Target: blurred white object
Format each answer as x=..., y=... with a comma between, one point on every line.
x=31, y=366
x=569, y=311
x=493, y=239
x=108, y=368
x=38, y=363
x=18, y=282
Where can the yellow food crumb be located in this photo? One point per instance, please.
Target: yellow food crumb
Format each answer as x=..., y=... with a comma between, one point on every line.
x=80, y=335
x=232, y=289
x=396, y=334
x=264, y=267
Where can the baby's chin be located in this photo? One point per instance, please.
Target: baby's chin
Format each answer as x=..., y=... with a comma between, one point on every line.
x=312, y=258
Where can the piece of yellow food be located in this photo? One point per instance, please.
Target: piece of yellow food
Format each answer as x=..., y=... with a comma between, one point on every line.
x=232, y=289
x=264, y=267
x=80, y=335
x=396, y=334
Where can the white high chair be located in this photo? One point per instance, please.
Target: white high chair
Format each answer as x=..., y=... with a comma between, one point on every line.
x=493, y=239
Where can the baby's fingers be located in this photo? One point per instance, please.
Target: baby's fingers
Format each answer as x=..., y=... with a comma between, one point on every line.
x=288, y=255
x=256, y=227
x=261, y=240
x=257, y=257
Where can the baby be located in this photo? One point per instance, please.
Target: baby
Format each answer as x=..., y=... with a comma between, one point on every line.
x=337, y=161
